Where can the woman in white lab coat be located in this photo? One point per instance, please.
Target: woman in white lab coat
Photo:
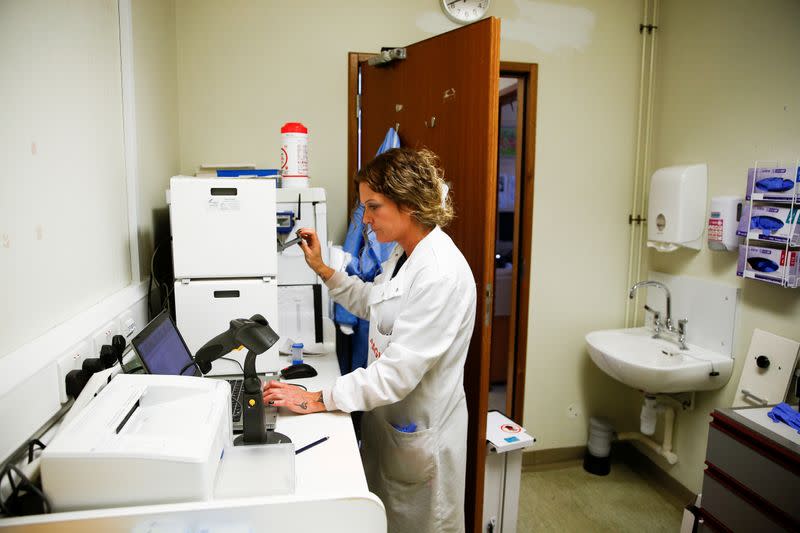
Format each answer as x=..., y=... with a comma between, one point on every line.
x=422, y=312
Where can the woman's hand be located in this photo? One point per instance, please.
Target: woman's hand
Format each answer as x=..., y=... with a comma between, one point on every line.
x=293, y=398
x=312, y=249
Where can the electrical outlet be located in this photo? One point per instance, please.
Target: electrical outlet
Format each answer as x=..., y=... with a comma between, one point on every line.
x=71, y=360
x=103, y=336
x=573, y=411
x=126, y=325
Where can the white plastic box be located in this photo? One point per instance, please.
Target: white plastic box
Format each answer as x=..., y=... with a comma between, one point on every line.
x=252, y=471
x=204, y=309
x=676, y=207
x=223, y=227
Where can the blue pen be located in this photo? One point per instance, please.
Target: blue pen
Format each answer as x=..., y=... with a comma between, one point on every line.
x=307, y=446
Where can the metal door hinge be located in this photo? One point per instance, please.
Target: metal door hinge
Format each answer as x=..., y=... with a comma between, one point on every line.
x=639, y=219
x=648, y=27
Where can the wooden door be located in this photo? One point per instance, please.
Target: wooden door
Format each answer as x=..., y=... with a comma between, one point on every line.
x=444, y=96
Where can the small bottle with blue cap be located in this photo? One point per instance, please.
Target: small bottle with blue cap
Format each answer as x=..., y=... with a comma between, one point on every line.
x=297, y=353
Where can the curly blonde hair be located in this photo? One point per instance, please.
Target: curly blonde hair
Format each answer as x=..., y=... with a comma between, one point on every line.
x=412, y=179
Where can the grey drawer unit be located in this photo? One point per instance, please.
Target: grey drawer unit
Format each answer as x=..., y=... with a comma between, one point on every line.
x=758, y=473
x=734, y=512
x=752, y=479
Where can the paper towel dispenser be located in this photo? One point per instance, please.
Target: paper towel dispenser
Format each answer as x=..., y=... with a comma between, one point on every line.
x=677, y=207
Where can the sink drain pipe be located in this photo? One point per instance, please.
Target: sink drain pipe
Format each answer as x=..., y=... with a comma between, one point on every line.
x=650, y=411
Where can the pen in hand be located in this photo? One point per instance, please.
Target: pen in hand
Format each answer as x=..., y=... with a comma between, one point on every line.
x=307, y=446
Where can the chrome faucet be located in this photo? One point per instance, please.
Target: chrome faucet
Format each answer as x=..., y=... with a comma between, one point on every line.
x=668, y=318
x=680, y=332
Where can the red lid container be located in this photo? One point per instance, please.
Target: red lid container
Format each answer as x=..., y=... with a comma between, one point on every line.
x=294, y=127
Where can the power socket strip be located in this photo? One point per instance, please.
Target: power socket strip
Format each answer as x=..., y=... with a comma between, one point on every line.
x=103, y=336
x=126, y=325
x=71, y=359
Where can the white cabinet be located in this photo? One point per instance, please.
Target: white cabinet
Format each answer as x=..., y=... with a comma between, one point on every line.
x=206, y=307
x=223, y=228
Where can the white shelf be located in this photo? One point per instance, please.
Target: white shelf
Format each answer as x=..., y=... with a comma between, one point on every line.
x=755, y=276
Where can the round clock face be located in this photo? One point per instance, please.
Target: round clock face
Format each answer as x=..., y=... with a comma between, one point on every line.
x=465, y=11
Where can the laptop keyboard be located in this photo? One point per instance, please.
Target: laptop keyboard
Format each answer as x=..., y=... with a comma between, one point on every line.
x=237, y=392
x=236, y=398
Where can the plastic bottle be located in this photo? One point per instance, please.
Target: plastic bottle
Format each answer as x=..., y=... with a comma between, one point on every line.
x=294, y=155
x=297, y=353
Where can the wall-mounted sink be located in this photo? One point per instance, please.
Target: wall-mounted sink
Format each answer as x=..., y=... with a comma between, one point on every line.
x=633, y=357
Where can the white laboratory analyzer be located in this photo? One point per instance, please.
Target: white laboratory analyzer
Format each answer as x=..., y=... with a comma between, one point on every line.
x=143, y=439
x=303, y=302
x=228, y=238
x=224, y=253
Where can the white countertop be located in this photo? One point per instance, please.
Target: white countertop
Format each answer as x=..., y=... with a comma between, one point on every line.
x=330, y=487
x=334, y=466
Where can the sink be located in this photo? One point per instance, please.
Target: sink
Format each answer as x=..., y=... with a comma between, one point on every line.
x=634, y=358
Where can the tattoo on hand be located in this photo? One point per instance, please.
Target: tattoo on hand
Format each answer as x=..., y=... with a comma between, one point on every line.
x=302, y=405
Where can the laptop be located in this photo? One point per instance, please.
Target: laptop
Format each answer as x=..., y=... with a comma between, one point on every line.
x=162, y=350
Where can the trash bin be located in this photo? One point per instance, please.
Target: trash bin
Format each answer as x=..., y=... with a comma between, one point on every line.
x=505, y=440
x=597, y=459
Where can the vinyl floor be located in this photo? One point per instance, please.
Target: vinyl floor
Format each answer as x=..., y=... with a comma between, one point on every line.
x=566, y=498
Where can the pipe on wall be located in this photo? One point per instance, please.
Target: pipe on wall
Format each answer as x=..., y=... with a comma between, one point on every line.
x=665, y=448
x=644, y=133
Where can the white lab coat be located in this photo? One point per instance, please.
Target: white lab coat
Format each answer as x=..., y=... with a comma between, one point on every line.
x=421, y=322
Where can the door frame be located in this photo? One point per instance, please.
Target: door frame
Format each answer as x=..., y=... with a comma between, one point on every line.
x=353, y=60
x=523, y=239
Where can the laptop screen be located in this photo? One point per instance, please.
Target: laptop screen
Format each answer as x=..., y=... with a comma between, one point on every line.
x=161, y=348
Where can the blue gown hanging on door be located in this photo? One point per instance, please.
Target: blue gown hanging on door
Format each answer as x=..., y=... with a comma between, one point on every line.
x=366, y=264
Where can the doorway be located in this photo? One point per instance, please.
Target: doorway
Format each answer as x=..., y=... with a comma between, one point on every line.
x=512, y=245
x=508, y=168
x=464, y=109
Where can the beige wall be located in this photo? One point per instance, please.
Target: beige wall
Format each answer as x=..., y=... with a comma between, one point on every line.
x=588, y=56
x=156, y=77
x=63, y=208
x=244, y=68
x=63, y=219
x=727, y=94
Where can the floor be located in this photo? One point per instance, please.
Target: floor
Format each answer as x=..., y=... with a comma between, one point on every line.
x=566, y=498
x=497, y=397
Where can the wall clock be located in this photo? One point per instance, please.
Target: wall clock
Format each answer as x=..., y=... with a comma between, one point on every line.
x=465, y=11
